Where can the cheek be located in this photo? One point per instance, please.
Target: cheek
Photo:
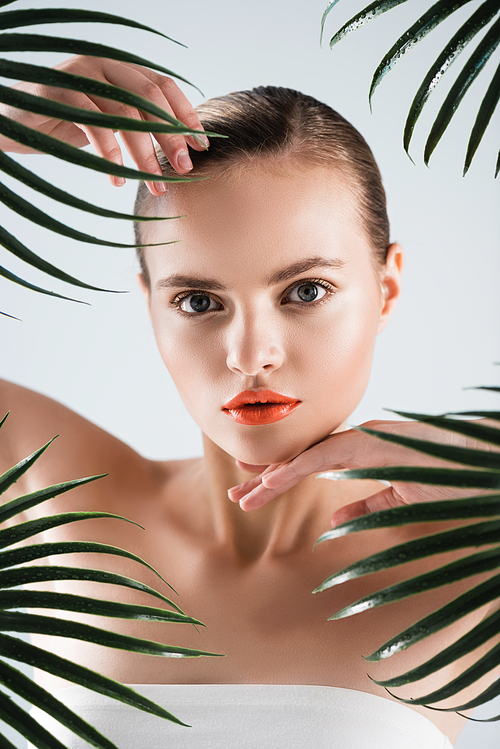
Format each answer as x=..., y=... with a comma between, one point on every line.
x=191, y=358
x=340, y=349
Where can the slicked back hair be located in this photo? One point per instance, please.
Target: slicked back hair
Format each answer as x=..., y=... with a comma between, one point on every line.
x=270, y=121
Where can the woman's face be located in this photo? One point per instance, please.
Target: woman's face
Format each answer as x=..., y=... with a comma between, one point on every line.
x=272, y=286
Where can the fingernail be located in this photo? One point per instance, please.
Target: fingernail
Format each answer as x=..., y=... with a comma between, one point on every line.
x=119, y=181
x=204, y=140
x=161, y=186
x=183, y=160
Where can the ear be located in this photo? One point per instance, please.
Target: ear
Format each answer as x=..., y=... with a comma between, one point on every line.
x=390, y=280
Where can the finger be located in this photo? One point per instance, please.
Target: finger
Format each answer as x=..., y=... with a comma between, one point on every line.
x=256, y=493
x=355, y=449
x=102, y=139
x=286, y=475
x=164, y=93
x=141, y=148
x=105, y=145
x=236, y=493
x=184, y=111
x=384, y=500
x=258, y=497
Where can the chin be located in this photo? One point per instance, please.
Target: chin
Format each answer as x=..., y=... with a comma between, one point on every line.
x=269, y=449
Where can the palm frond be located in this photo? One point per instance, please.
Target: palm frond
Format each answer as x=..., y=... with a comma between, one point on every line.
x=43, y=43
x=429, y=21
x=468, y=75
x=4, y=273
x=27, y=42
x=484, y=14
x=436, y=14
x=34, y=16
x=360, y=19
x=23, y=175
x=482, y=536
x=16, y=570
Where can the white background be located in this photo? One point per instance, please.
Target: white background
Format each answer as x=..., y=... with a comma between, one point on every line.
x=101, y=360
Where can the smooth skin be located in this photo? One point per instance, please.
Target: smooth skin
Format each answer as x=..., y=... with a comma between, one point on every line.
x=244, y=567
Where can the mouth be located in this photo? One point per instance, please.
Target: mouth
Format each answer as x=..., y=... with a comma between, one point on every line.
x=254, y=408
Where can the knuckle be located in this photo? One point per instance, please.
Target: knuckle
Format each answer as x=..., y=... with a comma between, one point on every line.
x=174, y=143
x=150, y=162
x=191, y=119
x=112, y=152
x=168, y=83
x=150, y=91
x=125, y=110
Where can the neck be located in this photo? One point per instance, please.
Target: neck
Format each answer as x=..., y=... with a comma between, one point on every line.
x=288, y=524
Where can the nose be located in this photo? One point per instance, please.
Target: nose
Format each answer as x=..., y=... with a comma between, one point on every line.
x=254, y=345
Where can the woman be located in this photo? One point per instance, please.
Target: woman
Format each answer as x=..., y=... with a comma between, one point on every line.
x=266, y=315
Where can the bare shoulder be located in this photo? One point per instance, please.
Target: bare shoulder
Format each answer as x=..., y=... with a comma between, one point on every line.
x=81, y=448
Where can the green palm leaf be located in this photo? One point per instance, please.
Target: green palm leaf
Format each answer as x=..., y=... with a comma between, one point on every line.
x=475, y=64
x=483, y=537
x=436, y=14
x=10, y=477
x=468, y=677
x=50, y=625
x=467, y=428
x=466, y=603
x=36, y=216
x=22, y=42
x=63, y=79
x=449, y=509
x=430, y=20
x=464, y=645
x=16, y=18
x=484, y=14
x=21, y=282
x=47, y=144
x=475, y=564
x=41, y=43
x=14, y=557
x=22, y=599
x=367, y=14
x=23, y=652
x=483, y=118
x=437, y=543
x=480, y=458
x=39, y=697
x=16, y=570
x=17, y=248
x=27, y=501
x=435, y=476
x=38, y=104
x=27, y=726
x=13, y=169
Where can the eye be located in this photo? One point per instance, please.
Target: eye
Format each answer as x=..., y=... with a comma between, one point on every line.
x=307, y=291
x=196, y=303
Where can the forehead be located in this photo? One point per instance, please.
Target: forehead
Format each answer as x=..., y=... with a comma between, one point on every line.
x=256, y=220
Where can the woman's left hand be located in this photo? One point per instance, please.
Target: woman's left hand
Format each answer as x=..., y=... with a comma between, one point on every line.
x=354, y=449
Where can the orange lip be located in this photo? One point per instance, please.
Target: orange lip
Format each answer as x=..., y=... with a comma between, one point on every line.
x=260, y=407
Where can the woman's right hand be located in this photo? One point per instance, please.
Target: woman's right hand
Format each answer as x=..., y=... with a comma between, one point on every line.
x=159, y=89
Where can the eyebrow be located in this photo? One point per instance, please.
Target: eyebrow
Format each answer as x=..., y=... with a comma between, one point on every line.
x=210, y=284
x=302, y=266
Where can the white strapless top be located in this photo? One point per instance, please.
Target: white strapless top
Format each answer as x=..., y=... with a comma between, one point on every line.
x=250, y=716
